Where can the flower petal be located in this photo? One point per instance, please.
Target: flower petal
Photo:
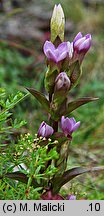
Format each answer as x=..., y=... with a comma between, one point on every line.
x=62, y=122
x=51, y=55
x=62, y=56
x=48, y=46
x=76, y=126
x=77, y=37
x=70, y=50
x=85, y=46
x=62, y=47
x=43, y=131
x=88, y=36
x=66, y=125
x=48, y=131
x=73, y=121
x=40, y=128
x=79, y=42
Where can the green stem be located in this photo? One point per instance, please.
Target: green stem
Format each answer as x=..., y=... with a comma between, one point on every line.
x=53, y=123
x=50, y=97
x=55, y=126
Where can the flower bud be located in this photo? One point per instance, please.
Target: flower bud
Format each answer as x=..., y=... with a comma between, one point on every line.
x=81, y=45
x=57, y=23
x=62, y=82
x=69, y=125
x=45, y=130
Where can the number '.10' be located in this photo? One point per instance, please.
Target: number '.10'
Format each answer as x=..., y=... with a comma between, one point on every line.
x=94, y=207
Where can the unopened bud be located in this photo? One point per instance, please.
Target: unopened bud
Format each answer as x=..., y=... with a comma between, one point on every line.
x=45, y=130
x=81, y=45
x=62, y=82
x=57, y=23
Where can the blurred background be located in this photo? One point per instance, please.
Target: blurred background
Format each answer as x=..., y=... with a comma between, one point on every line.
x=24, y=27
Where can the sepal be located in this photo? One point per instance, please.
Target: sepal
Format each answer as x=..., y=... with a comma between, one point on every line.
x=50, y=77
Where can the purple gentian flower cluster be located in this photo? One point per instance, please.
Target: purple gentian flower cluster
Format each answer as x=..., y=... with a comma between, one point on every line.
x=72, y=51
x=75, y=50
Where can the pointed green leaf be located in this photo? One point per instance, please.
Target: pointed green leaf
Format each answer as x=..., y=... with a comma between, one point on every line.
x=40, y=97
x=77, y=103
x=58, y=182
x=20, y=177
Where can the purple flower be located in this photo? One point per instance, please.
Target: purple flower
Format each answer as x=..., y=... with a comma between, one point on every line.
x=62, y=82
x=55, y=54
x=81, y=45
x=69, y=125
x=71, y=197
x=45, y=130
